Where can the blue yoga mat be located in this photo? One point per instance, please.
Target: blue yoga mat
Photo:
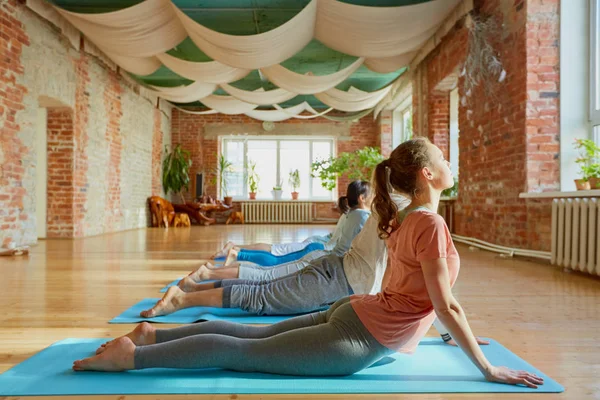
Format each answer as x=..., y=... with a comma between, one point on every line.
x=195, y=314
x=435, y=368
x=175, y=282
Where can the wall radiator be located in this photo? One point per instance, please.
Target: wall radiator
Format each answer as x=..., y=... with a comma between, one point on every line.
x=576, y=234
x=277, y=212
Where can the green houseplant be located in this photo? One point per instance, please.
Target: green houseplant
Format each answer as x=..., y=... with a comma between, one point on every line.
x=589, y=164
x=358, y=165
x=295, y=183
x=277, y=190
x=224, y=168
x=176, y=171
x=253, y=180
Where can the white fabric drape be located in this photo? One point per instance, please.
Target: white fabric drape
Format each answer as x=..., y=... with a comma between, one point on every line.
x=280, y=114
x=262, y=98
x=308, y=84
x=185, y=94
x=352, y=100
x=143, y=30
x=209, y=72
x=308, y=108
x=389, y=64
x=254, y=51
x=228, y=104
x=377, y=32
x=207, y=112
x=135, y=65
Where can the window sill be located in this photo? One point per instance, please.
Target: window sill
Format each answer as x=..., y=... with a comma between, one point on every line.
x=554, y=195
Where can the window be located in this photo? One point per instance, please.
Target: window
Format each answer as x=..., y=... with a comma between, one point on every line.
x=402, y=123
x=595, y=68
x=275, y=158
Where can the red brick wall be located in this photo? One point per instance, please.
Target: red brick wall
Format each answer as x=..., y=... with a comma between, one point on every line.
x=81, y=142
x=112, y=102
x=439, y=121
x=12, y=150
x=60, y=173
x=508, y=143
x=157, y=150
x=188, y=129
x=385, y=133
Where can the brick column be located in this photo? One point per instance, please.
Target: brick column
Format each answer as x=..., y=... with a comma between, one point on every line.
x=439, y=120
x=385, y=132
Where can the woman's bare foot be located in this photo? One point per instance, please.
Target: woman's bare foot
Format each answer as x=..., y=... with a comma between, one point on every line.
x=231, y=257
x=142, y=335
x=228, y=246
x=117, y=357
x=187, y=284
x=202, y=273
x=171, y=302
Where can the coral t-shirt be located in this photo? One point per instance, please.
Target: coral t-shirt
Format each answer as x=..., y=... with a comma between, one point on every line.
x=402, y=313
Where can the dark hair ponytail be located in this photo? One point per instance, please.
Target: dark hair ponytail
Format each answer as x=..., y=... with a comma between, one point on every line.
x=383, y=205
x=404, y=164
x=343, y=204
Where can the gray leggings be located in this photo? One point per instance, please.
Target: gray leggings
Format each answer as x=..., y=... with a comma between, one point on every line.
x=321, y=283
x=332, y=342
x=255, y=272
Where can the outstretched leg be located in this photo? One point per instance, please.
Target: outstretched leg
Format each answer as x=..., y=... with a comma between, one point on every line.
x=175, y=299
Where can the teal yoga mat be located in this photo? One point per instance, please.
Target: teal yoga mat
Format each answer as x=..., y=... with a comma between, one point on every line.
x=195, y=314
x=434, y=368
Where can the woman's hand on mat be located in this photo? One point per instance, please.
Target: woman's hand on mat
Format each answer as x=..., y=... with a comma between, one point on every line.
x=514, y=377
x=479, y=340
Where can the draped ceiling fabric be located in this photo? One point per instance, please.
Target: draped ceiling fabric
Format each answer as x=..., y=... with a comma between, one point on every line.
x=384, y=39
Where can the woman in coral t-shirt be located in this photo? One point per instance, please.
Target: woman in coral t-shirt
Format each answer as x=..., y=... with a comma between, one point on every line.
x=356, y=331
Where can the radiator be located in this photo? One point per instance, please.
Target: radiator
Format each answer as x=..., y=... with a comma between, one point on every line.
x=576, y=234
x=277, y=212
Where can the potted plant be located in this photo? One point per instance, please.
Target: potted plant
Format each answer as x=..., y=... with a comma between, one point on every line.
x=358, y=165
x=224, y=168
x=295, y=183
x=589, y=164
x=277, y=191
x=253, y=180
x=176, y=171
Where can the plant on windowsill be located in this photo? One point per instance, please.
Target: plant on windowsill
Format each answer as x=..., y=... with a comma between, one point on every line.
x=176, y=171
x=358, y=165
x=224, y=168
x=277, y=190
x=253, y=180
x=589, y=164
x=452, y=192
x=295, y=183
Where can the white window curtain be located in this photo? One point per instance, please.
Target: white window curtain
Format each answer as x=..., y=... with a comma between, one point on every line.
x=595, y=66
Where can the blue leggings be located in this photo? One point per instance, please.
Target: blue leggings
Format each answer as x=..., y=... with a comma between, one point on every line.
x=265, y=258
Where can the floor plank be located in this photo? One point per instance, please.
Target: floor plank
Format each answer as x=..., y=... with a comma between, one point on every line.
x=71, y=288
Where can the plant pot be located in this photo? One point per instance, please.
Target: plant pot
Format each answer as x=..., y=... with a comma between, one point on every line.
x=276, y=194
x=582, y=184
x=252, y=196
x=295, y=195
x=594, y=183
x=228, y=201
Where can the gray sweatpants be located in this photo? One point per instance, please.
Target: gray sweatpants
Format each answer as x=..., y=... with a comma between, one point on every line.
x=258, y=273
x=332, y=342
x=321, y=283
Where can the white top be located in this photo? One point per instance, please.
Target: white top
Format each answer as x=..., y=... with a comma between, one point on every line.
x=335, y=236
x=352, y=225
x=365, y=262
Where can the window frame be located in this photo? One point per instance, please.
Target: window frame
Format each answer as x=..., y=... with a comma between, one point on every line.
x=594, y=65
x=311, y=139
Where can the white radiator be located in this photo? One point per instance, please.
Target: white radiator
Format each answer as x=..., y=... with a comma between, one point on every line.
x=576, y=234
x=281, y=212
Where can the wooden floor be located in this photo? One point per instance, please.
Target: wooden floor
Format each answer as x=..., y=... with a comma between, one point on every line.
x=71, y=288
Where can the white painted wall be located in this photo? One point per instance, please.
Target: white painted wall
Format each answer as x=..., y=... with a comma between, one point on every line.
x=574, y=86
x=41, y=172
